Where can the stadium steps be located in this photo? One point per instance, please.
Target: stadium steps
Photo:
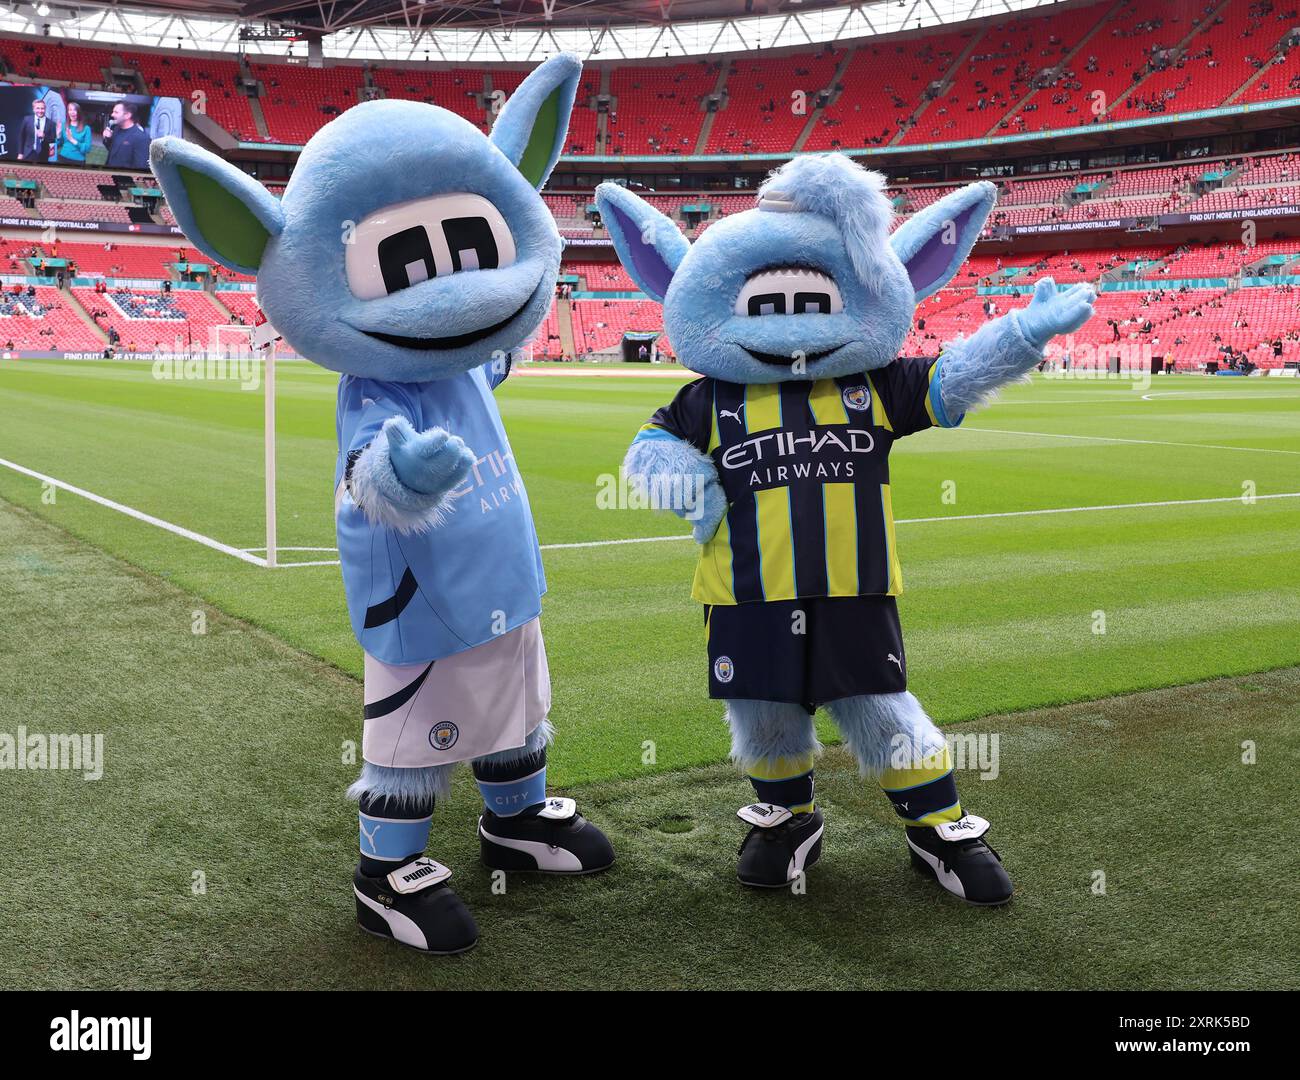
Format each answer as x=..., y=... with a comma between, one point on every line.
x=76, y=307
x=209, y=128
x=1062, y=63
x=259, y=117
x=837, y=79
x=1279, y=49
x=602, y=118
x=720, y=92
x=218, y=306
x=948, y=78
x=1179, y=48
x=564, y=321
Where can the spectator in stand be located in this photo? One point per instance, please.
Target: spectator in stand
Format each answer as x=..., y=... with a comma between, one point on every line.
x=74, y=136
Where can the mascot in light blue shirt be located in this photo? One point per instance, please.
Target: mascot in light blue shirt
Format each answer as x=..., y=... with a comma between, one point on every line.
x=794, y=313
x=411, y=254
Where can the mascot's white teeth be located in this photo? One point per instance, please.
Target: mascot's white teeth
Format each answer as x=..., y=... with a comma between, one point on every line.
x=789, y=290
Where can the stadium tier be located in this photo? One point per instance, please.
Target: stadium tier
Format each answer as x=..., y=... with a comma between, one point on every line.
x=1245, y=310
x=1040, y=71
x=1112, y=60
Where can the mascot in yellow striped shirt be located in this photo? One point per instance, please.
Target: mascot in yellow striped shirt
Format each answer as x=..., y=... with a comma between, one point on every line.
x=794, y=314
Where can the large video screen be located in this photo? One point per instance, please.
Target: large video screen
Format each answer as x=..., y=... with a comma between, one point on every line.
x=58, y=125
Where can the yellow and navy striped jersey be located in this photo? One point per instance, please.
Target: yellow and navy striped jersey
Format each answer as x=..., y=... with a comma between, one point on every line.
x=805, y=469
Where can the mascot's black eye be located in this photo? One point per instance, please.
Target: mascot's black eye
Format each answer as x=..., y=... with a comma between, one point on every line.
x=471, y=243
x=767, y=304
x=406, y=259
x=812, y=301
x=401, y=245
x=789, y=290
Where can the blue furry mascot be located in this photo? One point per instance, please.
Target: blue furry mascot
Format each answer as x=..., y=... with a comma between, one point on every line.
x=794, y=312
x=411, y=253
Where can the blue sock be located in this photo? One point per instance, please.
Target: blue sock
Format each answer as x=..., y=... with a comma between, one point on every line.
x=513, y=787
x=393, y=832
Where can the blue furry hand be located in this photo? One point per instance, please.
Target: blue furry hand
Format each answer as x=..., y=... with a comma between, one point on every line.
x=431, y=462
x=1051, y=313
x=712, y=512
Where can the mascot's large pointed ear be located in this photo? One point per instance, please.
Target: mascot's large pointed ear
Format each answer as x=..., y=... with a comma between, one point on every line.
x=649, y=245
x=934, y=242
x=222, y=210
x=530, y=129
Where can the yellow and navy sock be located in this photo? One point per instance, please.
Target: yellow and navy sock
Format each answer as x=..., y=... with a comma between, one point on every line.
x=393, y=832
x=785, y=781
x=513, y=787
x=926, y=795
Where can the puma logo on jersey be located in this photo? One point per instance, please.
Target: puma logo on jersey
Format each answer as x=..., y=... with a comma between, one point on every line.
x=894, y=659
x=734, y=415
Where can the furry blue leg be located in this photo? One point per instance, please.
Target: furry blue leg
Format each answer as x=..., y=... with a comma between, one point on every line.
x=413, y=787
x=762, y=732
x=538, y=739
x=884, y=729
x=418, y=786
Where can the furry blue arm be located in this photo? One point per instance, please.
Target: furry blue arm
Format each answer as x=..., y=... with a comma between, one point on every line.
x=972, y=369
x=1003, y=350
x=406, y=480
x=679, y=478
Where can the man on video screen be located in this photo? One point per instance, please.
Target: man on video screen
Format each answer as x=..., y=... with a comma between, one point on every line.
x=126, y=141
x=37, y=136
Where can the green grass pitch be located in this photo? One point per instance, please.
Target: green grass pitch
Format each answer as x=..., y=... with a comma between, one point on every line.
x=225, y=749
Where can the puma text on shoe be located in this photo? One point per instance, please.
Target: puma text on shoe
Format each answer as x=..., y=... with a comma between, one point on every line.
x=415, y=906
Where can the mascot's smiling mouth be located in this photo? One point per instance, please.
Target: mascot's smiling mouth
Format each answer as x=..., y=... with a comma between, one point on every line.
x=459, y=341
x=786, y=361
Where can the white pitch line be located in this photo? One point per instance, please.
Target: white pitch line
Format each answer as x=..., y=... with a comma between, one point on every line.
x=245, y=554
x=928, y=520
x=1139, y=442
x=611, y=543
x=282, y=548
x=1217, y=395
x=1085, y=509
x=139, y=515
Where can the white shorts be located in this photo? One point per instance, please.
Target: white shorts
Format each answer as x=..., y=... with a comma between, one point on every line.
x=461, y=707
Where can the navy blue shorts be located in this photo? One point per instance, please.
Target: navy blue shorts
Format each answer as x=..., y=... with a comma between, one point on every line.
x=806, y=652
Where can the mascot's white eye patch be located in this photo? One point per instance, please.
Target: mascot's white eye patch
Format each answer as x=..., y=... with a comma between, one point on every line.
x=406, y=243
x=789, y=290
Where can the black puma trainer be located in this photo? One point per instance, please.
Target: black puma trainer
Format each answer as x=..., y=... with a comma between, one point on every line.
x=554, y=840
x=780, y=846
x=415, y=906
x=957, y=857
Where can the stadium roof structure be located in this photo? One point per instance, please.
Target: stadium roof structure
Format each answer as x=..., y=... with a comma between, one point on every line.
x=486, y=31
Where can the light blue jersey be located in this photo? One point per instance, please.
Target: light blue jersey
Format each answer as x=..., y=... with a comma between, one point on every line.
x=422, y=596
